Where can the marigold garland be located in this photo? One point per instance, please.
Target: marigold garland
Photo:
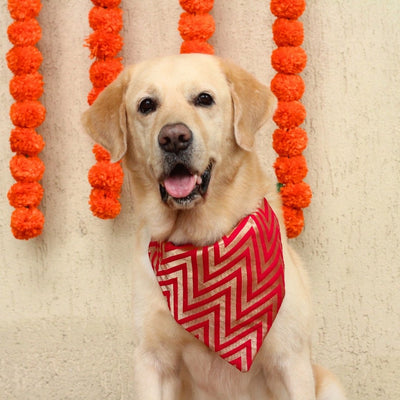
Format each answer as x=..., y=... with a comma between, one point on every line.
x=289, y=141
x=106, y=178
x=196, y=26
x=27, y=113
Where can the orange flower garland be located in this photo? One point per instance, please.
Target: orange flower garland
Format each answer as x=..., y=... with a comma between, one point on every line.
x=196, y=26
x=106, y=178
x=27, y=113
x=289, y=140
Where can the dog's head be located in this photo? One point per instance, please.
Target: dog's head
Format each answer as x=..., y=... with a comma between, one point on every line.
x=181, y=121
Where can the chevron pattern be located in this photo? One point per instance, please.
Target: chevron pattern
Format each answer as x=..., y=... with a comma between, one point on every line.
x=229, y=293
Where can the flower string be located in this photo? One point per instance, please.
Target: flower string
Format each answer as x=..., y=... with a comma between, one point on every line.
x=27, y=113
x=289, y=140
x=106, y=178
x=196, y=26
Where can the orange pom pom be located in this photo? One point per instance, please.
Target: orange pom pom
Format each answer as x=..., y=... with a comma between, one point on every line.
x=102, y=73
x=196, y=46
x=92, y=96
x=290, y=9
x=290, y=170
x=289, y=60
x=197, y=6
x=24, y=9
x=24, y=59
x=26, y=169
x=104, y=45
x=101, y=153
x=196, y=26
x=24, y=33
x=288, y=32
x=107, y=19
x=287, y=87
x=27, y=87
x=25, y=194
x=104, y=204
x=26, y=223
x=27, y=114
x=106, y=3
x=294, y=221
x=289, y=142
x=26, y=141
x=296, y=195
x=107, y=176
x=289, y=114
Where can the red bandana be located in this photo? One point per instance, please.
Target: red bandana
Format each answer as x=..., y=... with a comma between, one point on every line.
x=229, y=293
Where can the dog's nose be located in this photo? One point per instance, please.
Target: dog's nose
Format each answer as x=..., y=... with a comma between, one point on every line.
x=175, y=138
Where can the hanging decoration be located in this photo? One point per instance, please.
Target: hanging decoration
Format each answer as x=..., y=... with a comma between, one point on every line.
x=289, y=140
x=27, y=114
x=196, y=26
x=106, y=178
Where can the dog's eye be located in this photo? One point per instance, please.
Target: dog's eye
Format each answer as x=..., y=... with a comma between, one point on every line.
x=147, y=106
x=204, y=100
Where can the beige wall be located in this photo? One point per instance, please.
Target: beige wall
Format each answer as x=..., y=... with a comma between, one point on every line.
x=65, y=297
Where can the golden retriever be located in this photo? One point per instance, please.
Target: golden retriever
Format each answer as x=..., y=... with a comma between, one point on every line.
x=185, y=126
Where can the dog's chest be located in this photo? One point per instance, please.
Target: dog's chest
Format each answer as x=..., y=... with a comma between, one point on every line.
x=229, y=293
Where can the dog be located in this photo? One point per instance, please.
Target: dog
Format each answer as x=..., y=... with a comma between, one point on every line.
x=185, y=126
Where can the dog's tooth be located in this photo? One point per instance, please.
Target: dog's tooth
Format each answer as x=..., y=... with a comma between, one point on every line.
x=199, y=180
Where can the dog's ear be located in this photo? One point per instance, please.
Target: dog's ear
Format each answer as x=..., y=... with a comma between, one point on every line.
x=105, y=120
x=253, y=103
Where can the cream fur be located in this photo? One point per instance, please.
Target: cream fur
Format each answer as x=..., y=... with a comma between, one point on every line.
x=170, y=363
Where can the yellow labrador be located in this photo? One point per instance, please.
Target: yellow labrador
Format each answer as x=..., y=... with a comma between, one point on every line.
x=186, y=127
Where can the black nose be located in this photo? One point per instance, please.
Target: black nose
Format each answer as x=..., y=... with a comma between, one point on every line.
x=175, y=138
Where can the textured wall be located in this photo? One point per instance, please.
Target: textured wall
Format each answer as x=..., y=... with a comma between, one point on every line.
x=65, y=297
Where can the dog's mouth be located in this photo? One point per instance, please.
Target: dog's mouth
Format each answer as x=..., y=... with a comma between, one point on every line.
x=182, y=187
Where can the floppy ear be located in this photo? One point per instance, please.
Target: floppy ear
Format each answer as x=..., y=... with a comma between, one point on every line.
x=105, y=121
x=253, y=103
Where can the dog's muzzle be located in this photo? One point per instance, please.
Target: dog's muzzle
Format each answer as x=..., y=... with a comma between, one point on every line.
x=180, y=185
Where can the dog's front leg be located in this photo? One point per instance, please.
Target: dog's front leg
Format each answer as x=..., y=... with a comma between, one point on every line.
x=292, y=379
x=151, y=382
x=147, y=380
x=157, y=355
x=158, y=338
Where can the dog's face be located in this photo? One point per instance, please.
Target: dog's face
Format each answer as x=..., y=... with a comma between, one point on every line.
x=178, y=113
x=183, y=123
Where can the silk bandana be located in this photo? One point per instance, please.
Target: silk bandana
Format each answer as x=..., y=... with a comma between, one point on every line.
x=227, y=294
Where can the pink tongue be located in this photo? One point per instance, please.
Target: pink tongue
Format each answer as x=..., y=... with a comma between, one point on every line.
x=180, y=186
